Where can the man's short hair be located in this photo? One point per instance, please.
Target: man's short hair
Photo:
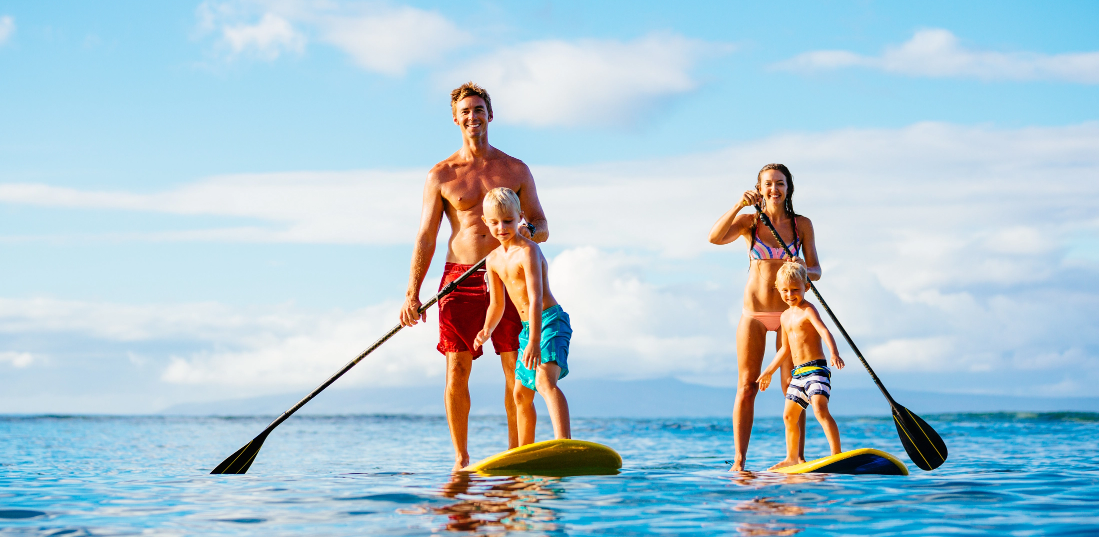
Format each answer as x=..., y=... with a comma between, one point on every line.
x=792, y=271
x=503, y=201
x=466, y=90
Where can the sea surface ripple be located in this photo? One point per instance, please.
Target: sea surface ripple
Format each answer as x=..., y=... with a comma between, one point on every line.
x=1010, y=474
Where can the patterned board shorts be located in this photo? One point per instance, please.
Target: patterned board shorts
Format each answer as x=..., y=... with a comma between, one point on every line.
x=809, y=379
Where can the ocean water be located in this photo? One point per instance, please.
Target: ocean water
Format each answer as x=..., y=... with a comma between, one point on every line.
x=1008, y=474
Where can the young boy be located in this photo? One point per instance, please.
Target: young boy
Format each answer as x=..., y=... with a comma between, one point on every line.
x=517, y=265
x=802, y=333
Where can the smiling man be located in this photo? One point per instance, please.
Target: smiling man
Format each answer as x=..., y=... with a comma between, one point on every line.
x=455, y=188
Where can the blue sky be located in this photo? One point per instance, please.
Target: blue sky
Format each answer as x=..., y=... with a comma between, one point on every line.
x=209, y=199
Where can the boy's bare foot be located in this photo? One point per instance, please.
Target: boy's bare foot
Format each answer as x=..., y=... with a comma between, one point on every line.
x=784, y=463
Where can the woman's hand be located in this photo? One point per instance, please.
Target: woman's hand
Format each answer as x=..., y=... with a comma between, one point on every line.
x=751, y=197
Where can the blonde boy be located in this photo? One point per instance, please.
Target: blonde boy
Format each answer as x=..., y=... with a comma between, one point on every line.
x=518, y=266
x=802, y=334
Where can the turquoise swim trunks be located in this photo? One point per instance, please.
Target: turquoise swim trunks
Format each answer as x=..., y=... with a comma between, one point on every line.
x=556, y=333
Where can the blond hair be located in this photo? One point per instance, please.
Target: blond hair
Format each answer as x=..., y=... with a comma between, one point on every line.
x=502, y=201
x=792, y=271
x=466, y=90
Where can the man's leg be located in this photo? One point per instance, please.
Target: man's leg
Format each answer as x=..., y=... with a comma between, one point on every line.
x=558, y=407
x=525, y=416
x=507, y=361
x=458, y=366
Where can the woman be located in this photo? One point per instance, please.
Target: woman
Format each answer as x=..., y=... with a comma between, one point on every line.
x=762, y=304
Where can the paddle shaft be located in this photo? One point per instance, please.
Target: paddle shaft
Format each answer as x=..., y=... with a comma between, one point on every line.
x=392, y=331
x=766, y=220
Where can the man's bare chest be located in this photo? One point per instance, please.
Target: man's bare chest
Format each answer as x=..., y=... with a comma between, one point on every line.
x=467, y=191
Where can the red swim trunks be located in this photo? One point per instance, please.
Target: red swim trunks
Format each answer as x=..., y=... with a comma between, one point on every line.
x=462, y=315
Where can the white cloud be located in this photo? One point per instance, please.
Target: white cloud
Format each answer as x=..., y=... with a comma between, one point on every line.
x=268, y=38
x=938, y=53
x=7, y=28
x=17, y=359
x=391, y=41
x=379, y=38
x=326, y=207
x=607, y=81
x=945, y=248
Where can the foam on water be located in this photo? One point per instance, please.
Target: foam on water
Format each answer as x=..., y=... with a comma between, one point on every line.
x=1020, y=474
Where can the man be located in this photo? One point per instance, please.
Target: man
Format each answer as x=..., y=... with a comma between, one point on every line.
x=456, y=188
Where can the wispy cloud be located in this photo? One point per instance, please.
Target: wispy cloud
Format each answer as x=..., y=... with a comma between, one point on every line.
x=938, y=53
x=392, y=40
x=16, y=359
x=7, y=28
x=268, y=38
x=606, y=81
x=379, y=37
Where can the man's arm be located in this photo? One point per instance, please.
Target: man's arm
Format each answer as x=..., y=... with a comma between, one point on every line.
x=430, y=218
x=531, y=207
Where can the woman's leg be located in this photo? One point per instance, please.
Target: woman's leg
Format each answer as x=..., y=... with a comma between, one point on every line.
x=751, y=339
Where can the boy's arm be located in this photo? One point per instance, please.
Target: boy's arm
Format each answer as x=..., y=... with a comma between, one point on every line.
x=495, y=306
x=532, y=268
x=781, y=356
x=818, y=323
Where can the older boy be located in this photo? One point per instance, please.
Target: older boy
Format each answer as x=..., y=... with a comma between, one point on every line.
x=802, y=332
x=518, y=266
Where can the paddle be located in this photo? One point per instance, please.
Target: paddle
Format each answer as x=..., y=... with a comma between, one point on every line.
x=239, y=462
x=923, y=444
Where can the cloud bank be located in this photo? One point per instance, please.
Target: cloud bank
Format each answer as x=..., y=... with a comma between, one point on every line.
x=938, y=53
x=966, y=251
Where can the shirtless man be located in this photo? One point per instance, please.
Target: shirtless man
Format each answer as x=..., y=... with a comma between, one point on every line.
x=456, y=188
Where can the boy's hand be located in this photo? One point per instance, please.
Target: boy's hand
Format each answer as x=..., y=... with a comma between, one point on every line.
x=481, y=338
x=532, y=356
x=837, y=362
x=764, y=381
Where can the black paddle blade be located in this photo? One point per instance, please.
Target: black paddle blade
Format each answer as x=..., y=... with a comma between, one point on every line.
x=923, y=444
x=239, y=462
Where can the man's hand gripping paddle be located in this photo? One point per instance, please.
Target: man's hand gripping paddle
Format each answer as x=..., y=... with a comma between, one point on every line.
x=238, y=462
x=924, y=446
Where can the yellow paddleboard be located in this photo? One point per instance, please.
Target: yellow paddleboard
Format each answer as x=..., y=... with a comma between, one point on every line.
x=552, y=458
x=856, y=461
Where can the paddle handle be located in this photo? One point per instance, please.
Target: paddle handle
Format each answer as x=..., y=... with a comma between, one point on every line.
x=766, y=220
x=451, y=286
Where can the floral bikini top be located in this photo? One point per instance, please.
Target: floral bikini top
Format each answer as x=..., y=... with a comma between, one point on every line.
x=758, y=250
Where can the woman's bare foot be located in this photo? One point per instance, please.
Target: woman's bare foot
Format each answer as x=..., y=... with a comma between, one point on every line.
x=738, y=466
x=786, y=462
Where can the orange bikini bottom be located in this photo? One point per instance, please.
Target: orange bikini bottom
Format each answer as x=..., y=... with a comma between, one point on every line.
x=770, y=319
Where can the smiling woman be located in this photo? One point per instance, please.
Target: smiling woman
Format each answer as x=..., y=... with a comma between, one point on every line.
x=762, y=303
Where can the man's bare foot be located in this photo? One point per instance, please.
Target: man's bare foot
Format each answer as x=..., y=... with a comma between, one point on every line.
x=784, y=463
x=461, y=462
x=738, y=466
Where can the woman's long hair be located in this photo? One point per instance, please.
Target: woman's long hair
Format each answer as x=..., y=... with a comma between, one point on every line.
x=787, y=204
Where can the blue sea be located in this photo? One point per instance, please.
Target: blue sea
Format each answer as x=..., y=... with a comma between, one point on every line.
x=1008, y=474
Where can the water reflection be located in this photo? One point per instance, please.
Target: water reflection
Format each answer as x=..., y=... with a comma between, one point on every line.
x=768, y=508
x=496, y=502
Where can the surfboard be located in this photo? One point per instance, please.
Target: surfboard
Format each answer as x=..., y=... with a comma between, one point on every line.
x=552, y=458
x=857, y=461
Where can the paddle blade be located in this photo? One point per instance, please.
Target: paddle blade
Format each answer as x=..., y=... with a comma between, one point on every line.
x=923, y=444
x=239, y=462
